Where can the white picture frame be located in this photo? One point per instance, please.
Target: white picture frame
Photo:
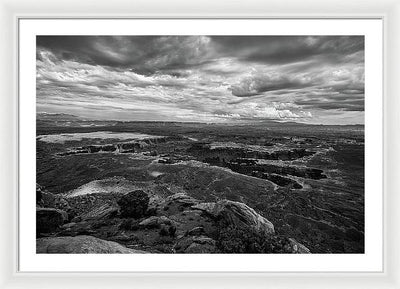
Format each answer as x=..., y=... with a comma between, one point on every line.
x=13, y=10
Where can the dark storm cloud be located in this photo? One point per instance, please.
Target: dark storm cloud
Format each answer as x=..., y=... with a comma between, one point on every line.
x=287, y=49
x=345, y=102
x=100, y=50
x=348, y=105
x=203, y=78
x=181, y=51
x=258, y=84
x=143, y=54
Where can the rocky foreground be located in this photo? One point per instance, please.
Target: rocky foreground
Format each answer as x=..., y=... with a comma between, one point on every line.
x=136, y=222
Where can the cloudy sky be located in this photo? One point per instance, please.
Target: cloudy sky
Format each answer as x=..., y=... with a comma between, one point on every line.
x=310, y=79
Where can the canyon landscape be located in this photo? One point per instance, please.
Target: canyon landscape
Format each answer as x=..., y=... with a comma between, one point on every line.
x=203, y=144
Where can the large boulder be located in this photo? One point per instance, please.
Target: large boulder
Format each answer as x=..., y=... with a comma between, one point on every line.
x=240, y=215
x=81, y=245
x=134, y=204
x=49, y=219
x=236, y=214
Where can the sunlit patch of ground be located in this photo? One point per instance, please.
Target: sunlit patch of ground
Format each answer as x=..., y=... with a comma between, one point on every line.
x=109, y=185
x=62, y=138
x=155, y=174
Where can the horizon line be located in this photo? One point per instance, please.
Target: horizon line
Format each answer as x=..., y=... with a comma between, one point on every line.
x=201, y=122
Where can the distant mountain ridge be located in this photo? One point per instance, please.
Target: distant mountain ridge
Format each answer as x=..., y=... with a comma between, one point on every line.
x=57, y=116
x=65, y=117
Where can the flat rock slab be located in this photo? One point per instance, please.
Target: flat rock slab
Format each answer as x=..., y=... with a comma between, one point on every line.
x=104, y=211
x=236, y=214
x=81, y=245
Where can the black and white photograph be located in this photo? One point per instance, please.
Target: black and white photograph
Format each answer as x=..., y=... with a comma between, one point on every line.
x=200, y=144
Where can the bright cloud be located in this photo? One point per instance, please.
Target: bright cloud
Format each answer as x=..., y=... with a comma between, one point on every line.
x=202, y=78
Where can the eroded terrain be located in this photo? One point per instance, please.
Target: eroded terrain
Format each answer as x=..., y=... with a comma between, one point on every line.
x=308, y=181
